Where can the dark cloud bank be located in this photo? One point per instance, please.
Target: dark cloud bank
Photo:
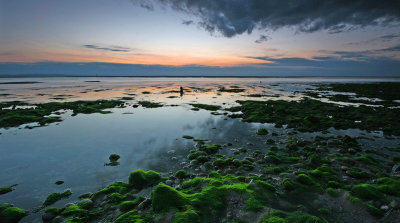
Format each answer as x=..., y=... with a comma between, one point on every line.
x=232, y=17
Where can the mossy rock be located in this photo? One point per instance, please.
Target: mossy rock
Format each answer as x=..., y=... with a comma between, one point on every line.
x=132, y=217
x=366, y=192
x=273, y=219
x=189, y=216
x=75, y=210
x=114, y=157
x=254, y=205
x=297, y=217
x=54, y=197
x=165, y=198
x=305, y=179
x=289, y=185
x=116, y=187
x=262, y=131
x=389, y=186
x=5, y=190
x=181, y=174
x=12, y=214
x=129, y=205
x=374, y=211
x=212, y=149
x=140, y=179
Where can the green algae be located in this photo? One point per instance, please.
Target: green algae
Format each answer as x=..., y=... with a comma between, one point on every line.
x=12, y=214
x=165, y=198
x=273, y=219
x=262, y=131
x=73, y=210
x=54, y=197
x=116, y=187
x=113, y=160
x=5, y=190
x=188, y=216
x=305, y=179
x=389, y=186
x=254, y=205
x=140, y=179
x=387, y=90
x=231, y=90
x=129, y=205
x=212, y=149
x=40, y=112
x=149, y=104
x=312, y=115
x=374, y=211
x=206, y=107
x=181, y=174
x=297, y=217
x=366, y=192
x=133, y=216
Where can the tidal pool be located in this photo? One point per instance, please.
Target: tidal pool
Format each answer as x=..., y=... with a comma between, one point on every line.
x=76, y=149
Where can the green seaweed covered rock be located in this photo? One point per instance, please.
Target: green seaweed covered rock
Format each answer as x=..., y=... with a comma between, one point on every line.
x=189, y=216
x=140, y=179
x=132, y=216
x=165, y=198
x=54, y=197
x=366, y=192
x=11, y=214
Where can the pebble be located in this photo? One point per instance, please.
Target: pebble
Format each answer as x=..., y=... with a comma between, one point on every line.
x=384, y=207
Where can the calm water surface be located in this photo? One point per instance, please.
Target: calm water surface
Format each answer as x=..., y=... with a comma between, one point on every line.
x=76, y=149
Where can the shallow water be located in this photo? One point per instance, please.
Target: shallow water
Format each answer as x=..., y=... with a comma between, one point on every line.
x=76, y=149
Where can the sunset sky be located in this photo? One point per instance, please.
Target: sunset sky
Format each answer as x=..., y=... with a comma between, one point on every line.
x=199, y=37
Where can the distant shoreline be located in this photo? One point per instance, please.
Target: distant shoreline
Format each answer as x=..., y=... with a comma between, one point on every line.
x=204, y=76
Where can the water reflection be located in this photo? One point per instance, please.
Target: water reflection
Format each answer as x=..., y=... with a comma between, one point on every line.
x=76, y=149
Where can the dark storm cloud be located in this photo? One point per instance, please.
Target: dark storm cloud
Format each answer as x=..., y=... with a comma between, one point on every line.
x=263, y=38
x=232, y=17
x=108, y=48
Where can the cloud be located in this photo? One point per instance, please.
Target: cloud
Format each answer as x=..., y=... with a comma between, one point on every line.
x=392, y=52
x=383, y=38
x=187, y=22
x=263, y=38
x=144, y=4
x=233, y=17
x=108, y=48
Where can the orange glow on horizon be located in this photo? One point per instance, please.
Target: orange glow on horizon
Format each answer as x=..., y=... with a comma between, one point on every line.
x=150, y=59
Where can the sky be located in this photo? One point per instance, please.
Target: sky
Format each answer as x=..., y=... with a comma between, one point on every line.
x=200, y=37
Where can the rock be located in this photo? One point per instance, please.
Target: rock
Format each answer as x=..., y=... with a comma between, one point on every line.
x=352, y=151
x=146, y=203
x=68, y=204
x=394, y=204
x=344, y=168
x=203, y=168
x=85, y=202
x=384, y=207
x=169, y=182
x=174, y=158
x=48, y=216
x=58, y=219
x=249, y=159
